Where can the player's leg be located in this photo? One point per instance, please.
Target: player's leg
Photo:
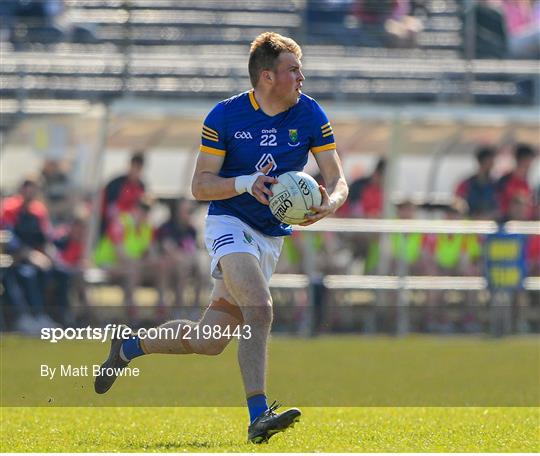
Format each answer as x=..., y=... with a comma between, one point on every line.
x=176, y=337
x=246, y=284
x=222, y=313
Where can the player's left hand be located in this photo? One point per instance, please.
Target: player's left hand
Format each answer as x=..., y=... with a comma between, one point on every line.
x=326, y=208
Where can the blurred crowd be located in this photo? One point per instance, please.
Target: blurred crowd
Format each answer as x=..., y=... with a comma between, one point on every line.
x=479, y=196
x=502, y=28
x=507, y=29
x=40, y=21
x=45, y=239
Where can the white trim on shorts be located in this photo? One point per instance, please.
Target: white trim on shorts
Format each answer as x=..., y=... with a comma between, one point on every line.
x=225, y=234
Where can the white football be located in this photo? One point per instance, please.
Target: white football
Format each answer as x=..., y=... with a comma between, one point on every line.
x=293, y=195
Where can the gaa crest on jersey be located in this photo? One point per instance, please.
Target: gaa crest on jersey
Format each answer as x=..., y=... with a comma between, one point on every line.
x=293, y=138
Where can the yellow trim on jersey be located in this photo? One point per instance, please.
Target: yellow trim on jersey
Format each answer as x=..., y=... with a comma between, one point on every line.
x=210, y=138
x=330, y=133
x=211, y=150
x=325, y=125
x=253, y=101
x=318, y=149
x=327, y=130
x=209, y=131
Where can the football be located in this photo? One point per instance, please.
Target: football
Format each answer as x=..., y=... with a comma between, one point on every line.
x=293, y=195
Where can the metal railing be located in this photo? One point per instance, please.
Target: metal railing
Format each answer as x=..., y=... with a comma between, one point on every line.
x=403, y=283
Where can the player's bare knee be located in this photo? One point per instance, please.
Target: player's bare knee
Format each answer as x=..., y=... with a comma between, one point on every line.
x=215, y=347
x=260, y=315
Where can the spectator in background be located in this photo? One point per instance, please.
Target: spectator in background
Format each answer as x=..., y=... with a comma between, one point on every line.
x=44, y=21
x=386, y=23
x=409, y=248
x=68, y=268
x=122, y=193
x=454, y=254
x=39, y=21
x=7, y=18
x=491, y=40
x=533, y=250
x=180, y=265
x=479, y=190
x=27, y=219
x=365, y=199
x=366, y=194
x=327, y=21
x=516, y=181
x=57, y=191
x=523, y=25
x=127, y=251
x=457, y=253
x=372, y=197
x=519, y=208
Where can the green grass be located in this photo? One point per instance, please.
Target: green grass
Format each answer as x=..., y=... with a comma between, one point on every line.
x=376, y=394
x=339, y=371
x=224, y=430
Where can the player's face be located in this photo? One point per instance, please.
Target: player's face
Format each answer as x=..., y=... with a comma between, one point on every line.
x=288, y=78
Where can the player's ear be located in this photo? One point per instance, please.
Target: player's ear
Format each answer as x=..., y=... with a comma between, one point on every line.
x=267, y=75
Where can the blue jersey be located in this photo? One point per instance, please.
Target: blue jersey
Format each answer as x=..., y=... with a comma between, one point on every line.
x=240, y=131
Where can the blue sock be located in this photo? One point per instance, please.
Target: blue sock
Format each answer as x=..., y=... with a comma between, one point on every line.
x=131, y=348
x=257, y=406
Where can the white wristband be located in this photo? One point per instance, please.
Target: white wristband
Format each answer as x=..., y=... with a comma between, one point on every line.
x=244, y=184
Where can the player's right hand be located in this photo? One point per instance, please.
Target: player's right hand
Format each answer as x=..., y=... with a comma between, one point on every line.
x=260, y=190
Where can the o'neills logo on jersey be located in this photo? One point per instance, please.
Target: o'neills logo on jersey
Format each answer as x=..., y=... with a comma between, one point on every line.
x=272, y=131
x=243, y=135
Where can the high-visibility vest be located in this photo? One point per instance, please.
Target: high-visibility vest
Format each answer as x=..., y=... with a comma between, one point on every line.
x=136, y=242
x=291, y=252
x=403, y=246
x=450, y=248
x=407, y=247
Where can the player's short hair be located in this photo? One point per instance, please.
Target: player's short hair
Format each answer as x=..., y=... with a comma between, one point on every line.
x=265, y=50
x=484, y=153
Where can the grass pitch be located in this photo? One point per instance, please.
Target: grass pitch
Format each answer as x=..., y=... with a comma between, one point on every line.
x=330, y=429
x=408, y=395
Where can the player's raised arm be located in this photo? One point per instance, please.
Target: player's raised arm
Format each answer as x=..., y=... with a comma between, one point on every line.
x=336, y=191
